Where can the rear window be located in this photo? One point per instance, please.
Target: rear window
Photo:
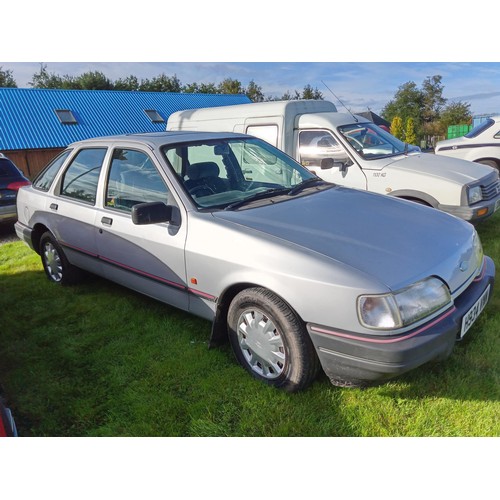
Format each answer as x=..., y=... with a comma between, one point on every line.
x=46, y=177
x=480, y=128
x=8, y=169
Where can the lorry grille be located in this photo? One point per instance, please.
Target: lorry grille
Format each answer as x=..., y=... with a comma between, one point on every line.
x=491, y=191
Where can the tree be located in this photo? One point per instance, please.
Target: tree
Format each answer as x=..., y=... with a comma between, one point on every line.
x=6, y=78
x=410, y=136
x=201, y=88
x=397, y=127
x=408, y=102
x=310, y=93
x=230, y=86
x=45, y=80
x=93, y=80
x=290, y=97
x=161, y=83
x=128, y=83
x=433, y=100
x=254, y=92
x=455, y=113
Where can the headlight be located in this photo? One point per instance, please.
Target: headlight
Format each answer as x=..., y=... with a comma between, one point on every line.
x=397, y=310
x=475, y=194
x=478, y=254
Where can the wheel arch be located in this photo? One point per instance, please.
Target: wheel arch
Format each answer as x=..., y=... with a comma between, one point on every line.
x=487, y=160
x=413, y=195
x=38, y=230
x=219, y=334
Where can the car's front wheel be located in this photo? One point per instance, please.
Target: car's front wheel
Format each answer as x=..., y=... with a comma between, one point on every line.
x=270, y=341
x=55, y=263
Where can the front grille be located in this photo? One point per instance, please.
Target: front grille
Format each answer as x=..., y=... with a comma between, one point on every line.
x=491, y=191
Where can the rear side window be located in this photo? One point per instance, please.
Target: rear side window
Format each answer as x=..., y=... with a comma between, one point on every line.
x=8, y=169
x=81, y=178
x=44, y=180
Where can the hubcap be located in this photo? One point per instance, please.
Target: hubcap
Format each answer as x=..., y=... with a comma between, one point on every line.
x=53, y=262
x=261, y=344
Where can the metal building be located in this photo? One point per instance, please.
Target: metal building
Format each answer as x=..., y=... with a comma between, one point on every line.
x=36, y=124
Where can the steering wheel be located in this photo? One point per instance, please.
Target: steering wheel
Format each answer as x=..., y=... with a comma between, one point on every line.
x=196, y=190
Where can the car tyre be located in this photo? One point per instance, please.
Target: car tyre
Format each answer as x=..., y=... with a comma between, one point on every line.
x=270, y=341
x=55, y=263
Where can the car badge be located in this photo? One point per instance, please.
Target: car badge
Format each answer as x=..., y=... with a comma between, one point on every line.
x=464, y=265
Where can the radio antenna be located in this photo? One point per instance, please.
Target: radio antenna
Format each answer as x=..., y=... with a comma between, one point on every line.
x=348, y=110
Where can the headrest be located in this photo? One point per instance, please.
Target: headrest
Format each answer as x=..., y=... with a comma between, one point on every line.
x=203, y=169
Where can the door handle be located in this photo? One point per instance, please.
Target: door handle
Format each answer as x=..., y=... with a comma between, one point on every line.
x=107, y=221
x=54, y=206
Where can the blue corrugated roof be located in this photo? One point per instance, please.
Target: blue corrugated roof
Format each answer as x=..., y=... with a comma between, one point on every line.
x=28, y=120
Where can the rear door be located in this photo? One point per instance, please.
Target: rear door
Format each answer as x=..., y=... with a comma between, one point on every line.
x=71, y=210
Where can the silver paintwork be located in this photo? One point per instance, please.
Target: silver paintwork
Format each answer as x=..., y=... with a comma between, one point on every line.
x=318, y=252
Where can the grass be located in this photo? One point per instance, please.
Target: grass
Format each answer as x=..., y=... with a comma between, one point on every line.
x=100, y=360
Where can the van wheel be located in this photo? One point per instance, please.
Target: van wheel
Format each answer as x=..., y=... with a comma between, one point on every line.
x=270, y=341
x=55, y=264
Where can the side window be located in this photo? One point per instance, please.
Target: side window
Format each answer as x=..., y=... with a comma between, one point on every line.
x=44, y=180
x=133, y=179
x=268, y=133
x=81, y=178
x=497, y=135
x=318, y=146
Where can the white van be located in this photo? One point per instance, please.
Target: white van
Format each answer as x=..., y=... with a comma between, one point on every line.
x=350, y=150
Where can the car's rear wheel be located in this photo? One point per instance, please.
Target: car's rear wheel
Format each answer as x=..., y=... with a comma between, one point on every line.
x=270, y=341
x=55, y=263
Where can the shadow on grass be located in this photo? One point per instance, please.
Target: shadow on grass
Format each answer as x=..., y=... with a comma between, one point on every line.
x=97, y=359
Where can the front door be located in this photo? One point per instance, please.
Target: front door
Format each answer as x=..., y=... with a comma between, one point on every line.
x=322, y=154
x=147, y=258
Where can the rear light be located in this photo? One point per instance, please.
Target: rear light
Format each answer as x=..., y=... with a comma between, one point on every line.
x=14, y=186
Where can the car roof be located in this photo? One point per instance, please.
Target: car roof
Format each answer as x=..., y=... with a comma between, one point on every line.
x=157, y=139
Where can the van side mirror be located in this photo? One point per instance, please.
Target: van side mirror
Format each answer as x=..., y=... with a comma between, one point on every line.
x=327, y=163
x=155, y=212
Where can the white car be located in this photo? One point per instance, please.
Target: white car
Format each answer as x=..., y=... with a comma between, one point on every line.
x=481, y=144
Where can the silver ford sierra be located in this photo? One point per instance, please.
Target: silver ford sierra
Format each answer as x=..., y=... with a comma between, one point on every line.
x=300, y=274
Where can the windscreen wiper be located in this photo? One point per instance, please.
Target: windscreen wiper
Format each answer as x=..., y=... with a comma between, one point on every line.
x=257, y=196
x=305, y=184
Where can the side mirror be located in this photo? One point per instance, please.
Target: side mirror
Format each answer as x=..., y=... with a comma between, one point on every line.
x=326, y=163
x=155, y=212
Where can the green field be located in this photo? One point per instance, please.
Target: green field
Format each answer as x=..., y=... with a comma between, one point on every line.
x=99, y=360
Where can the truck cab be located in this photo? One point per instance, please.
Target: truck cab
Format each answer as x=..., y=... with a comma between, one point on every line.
x=350, y=150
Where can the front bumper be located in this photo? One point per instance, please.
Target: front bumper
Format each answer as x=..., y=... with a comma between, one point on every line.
x=477, y=212
x=350, y=357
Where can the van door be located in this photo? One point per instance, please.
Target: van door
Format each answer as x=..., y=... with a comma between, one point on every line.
x=321, y=153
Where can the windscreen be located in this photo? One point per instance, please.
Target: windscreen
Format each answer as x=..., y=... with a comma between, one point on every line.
x=219, y=173
x=372, y=142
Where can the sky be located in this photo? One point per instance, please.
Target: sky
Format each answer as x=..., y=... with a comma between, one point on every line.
x=359, y=85
x=363, y=51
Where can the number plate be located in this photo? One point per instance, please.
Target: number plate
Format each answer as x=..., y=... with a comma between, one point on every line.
x=497, y=205
x=474, y=312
